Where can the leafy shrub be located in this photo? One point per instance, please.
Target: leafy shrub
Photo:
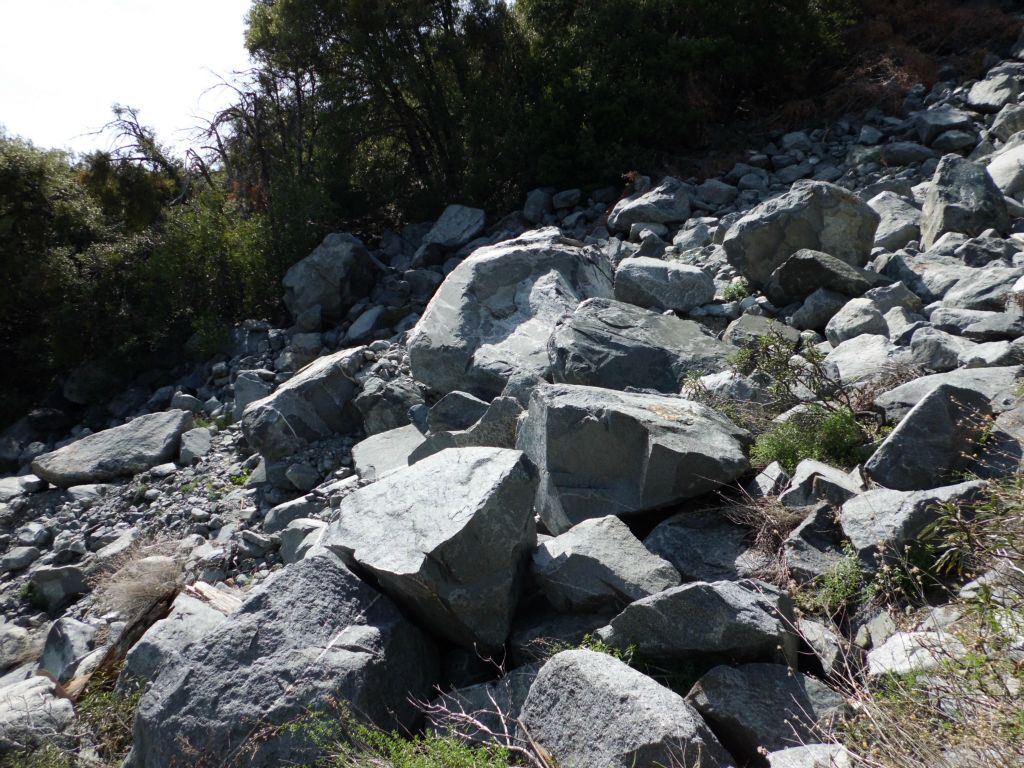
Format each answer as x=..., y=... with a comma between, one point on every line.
x=834, y=437
x=837, y=589
x=736, y=291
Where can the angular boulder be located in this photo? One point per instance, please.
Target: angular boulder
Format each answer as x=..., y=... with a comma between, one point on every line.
x=962, y=198
x=999, y=385
x=934, y=440
x=494, y=313
x=162, y=645
x=667, y=203
x=614, y=345
x=745, y=620
x=122, y=451
x=901, y=221
x=813, y=214
x=756, y=708
x=661, y=285
x=807, y=271
x=311, y=637
x=315, y=403
x=602, y=452
x=32, y=713
x=704, y=546
x=333, y=277
x=599, y=565
x=449, y=538
x=457, y=226
x=879, y=523
x=1006, y=169
x=386, y=452
x=590, y=709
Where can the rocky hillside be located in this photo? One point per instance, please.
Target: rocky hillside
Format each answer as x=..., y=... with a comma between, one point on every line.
x=690, y=476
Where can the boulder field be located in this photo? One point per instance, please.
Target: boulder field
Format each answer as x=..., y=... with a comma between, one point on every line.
x=497, y=467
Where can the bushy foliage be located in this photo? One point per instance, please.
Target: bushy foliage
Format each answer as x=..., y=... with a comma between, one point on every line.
x=838, y=589
x=630, y=82
x=834, y=437
x=98, y=264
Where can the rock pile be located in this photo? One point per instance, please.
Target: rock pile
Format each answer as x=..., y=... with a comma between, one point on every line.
x=490, y=442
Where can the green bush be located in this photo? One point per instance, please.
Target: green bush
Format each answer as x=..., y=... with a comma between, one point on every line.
x=838, y=589
x=99, y=266
x=832, y=436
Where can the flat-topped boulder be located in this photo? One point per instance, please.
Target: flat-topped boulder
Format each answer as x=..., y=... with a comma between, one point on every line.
x=602, y=452
x=142, y=443
x=745, y=620
x=493, y=315
x=449, y=538
x=615, y=345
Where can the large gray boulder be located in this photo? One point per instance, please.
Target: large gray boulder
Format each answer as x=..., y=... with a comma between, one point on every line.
x=932, y=123
x=661, y=285
x=994, y=92
x=999, y=385
x=599, y=565
x=333, y=277
x=603, y=453
x=493, y=315
x=449, y=538
x=162, y=645
x=962, y=198
x=668, y=203
x=858, y=317
x=879, y=523
x=127, y=450
x=32, y=712
x=901, y=221
x=807, y=271
x=1006, y=168
x=704, y=546
x=763, y=707
x=315, y=403
x=311, y=637
x=745, y=620
x=813, y=214
x=935, y=439
x=386, y=452
x=457, y=226
x=610, y=344
x=590, y=709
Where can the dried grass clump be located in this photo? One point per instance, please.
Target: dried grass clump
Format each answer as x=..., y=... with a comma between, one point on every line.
x=147, y=576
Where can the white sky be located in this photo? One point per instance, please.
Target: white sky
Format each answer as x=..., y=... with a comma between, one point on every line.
x=63, y=63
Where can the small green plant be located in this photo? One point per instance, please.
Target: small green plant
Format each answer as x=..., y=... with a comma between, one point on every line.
x=241, y=478
x=736, y=291
x=592, y=643
x=221, y=422
x=832, y=436
x=837, y=590
x=345, y=742
x=31, y=594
